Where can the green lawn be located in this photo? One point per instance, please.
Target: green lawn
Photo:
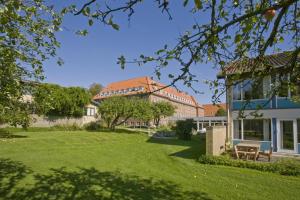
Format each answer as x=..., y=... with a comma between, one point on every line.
x=103, y=165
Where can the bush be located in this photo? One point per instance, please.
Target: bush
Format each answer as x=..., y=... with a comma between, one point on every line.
x=93, y=126
x=164, y=128
x=66, y=127
x=289, y=167
x=184, y=129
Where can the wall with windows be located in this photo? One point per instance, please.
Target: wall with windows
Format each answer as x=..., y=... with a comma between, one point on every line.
x=182, y=110
x=248, y=94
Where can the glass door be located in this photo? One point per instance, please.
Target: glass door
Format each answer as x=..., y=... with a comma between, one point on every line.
x=287, y=135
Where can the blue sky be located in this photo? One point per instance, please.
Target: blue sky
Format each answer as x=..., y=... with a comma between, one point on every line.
x=93, y=59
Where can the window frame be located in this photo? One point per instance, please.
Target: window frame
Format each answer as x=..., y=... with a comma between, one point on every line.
x=242, y=133
x=241, y=86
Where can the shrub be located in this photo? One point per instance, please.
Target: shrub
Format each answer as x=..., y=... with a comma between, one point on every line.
x=289, y=167
x=93, y=126
x=66, y=127
x=184, y=129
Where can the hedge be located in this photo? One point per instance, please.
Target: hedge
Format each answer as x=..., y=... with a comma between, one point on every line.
x=288, y=167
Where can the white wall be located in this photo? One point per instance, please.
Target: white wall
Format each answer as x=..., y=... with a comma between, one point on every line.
x=276, y=113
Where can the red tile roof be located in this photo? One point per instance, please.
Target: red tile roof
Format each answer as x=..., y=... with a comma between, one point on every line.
x=210, y=110
x=143, y=85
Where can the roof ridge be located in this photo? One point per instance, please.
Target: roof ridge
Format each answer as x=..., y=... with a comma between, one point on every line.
x=131, y=79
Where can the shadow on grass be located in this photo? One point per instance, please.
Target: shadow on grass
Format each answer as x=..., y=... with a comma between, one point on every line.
x=11, y=172
x=196, y=146
x=7, y=134
x=86, y=184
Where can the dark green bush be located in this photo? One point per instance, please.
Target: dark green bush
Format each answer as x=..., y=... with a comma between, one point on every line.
x=289, y=167
x=66, y=127
x=184, y=129
x=93, y=126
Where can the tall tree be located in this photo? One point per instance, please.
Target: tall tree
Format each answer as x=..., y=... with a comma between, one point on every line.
x=162, y=109
x=95, y=88
x=27, y=38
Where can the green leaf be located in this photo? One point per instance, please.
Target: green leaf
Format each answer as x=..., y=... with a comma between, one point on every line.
x=91, y=22
x=238, y=38
x=281, y=39
x=185, y=2
x=115, y=26
x=198, y=4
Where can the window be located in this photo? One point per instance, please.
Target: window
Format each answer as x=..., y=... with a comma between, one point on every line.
x=283, y=90
x=90, y=111
x=237, y=92
x=295, y=92
x=252, y=129
x=257, y=129
x=248, y=90
x=252, y=90
x=237, y=131
x=298, y=128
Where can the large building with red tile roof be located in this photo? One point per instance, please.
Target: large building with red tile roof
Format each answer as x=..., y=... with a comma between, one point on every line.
x=186, y=105
x=210, y=110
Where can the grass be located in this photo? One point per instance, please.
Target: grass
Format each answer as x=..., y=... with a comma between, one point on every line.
x=124, y=165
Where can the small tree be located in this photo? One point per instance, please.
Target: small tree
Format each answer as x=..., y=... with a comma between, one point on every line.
x=95, y=88
x=221, y=112
x=162, y=109
x=117, y=110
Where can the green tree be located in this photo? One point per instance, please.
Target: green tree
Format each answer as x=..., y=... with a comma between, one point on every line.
x=221, y=112
x=162, y=109
x=117, y=110
x=235, y=30
x=27, y=38
x=54, y=100
x=95, y=88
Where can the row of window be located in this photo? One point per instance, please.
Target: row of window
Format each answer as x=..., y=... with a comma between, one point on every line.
x=249, y=90
x=122, y=91
x=138, y=89
x=172, y=96
x=259, y=129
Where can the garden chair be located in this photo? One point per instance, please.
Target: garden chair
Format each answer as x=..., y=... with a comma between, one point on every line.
x=266, y=153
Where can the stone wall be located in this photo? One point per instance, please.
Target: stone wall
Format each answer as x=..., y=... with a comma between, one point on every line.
x=215, y=140
x=43, y=121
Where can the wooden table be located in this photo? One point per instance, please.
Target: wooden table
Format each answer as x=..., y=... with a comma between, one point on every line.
x=247, y=149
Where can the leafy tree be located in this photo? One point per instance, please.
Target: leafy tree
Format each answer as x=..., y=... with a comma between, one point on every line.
x=95, y=88
x=221, y=112
x=27, y=38
x=54, y=100
x=162, y=109
x=235, y=30
x=117, y=110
